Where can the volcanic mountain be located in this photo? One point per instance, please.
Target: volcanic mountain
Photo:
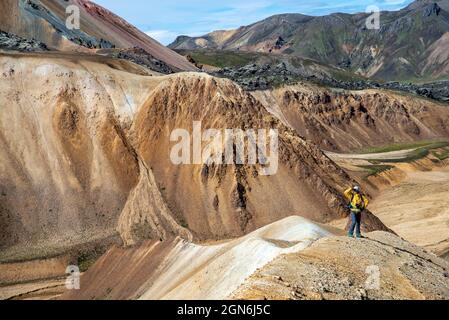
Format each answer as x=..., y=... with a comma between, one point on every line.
x=87, y=174
x=410, y=43
x=85, y=161
x=45, y=21
x=95, y=158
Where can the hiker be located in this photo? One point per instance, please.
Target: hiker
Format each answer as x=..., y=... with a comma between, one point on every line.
x=357, y=203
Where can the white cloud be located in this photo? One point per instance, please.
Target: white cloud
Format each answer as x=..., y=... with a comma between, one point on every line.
x=163, y=36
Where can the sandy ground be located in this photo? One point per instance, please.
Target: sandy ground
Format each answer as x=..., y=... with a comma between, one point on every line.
x=371, y=156
x=41, y=290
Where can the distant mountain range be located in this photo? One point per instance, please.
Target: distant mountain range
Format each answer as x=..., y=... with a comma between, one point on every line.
x=411, y=44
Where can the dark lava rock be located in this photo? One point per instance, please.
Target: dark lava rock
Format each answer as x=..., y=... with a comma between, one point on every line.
x=265, y=76
x=10, y=41
x=432, y=9
x=141, y=57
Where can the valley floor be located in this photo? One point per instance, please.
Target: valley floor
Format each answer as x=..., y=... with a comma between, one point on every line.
x=418, y=208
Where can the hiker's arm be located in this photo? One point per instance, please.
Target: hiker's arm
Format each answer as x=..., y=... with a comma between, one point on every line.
x=366, y=200
x=348, y=194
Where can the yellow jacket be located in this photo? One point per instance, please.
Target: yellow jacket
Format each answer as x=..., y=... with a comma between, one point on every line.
x=357, y=201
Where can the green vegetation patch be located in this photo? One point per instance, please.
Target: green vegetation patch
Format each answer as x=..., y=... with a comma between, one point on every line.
x=373, y=170
x=417, y=154
x=432, y=144
x=221, y=59
x=87, y=259
x=441, y=155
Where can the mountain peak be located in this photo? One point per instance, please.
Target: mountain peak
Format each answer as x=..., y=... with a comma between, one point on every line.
x=432, y=9
x=435, y=6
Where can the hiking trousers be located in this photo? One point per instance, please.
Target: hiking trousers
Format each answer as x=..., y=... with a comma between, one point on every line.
x=356, y=219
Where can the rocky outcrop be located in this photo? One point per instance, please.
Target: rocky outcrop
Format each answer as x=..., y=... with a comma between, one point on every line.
x=260, y=77
x=285, y=70
x=380, y=267
x=140, y=57
x=350, y=120
x=12, y=42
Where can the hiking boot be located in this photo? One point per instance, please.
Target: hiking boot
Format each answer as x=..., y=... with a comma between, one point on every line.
x=350, y=235
x=359, y=236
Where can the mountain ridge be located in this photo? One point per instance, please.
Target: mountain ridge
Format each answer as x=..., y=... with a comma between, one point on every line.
x=397, y=51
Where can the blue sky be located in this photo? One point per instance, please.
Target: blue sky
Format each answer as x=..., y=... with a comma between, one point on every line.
x=166, y=19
